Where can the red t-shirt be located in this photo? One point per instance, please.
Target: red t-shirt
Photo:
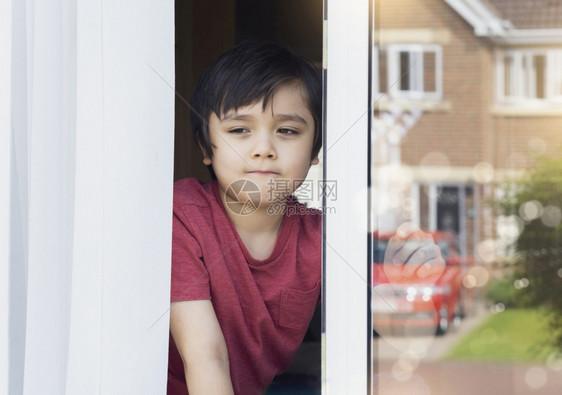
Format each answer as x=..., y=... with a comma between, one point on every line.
x=264, y=307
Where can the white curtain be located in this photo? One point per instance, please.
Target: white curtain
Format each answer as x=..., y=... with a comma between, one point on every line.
x=86, y=162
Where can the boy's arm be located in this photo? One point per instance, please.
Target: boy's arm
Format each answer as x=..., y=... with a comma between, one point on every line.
x=200, y=342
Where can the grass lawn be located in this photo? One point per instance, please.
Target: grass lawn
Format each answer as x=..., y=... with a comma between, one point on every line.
x=512, y=336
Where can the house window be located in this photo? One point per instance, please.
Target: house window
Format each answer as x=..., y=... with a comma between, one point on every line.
x=527, y=76
x=410, y=71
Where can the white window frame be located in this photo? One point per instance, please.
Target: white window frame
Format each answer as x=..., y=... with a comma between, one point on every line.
x=346, y=338
x=521, y=90
x=416, y=74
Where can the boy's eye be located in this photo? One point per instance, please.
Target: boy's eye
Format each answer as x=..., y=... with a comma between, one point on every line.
x=239, y=131
x=286, y=131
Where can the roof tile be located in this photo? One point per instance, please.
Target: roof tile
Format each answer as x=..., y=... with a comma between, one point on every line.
x=530, y=14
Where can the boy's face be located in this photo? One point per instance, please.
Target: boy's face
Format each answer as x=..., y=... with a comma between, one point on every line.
x=270, y=147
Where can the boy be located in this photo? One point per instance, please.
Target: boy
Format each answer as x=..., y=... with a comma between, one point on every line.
x=246, y=256
x=246, y=260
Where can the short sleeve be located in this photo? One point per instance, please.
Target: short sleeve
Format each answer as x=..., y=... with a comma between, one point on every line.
x=190, y=280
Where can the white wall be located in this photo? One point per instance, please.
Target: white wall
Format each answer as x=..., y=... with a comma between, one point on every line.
x=90, y=186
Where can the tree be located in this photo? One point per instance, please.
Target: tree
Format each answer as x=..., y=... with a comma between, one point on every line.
x=536, y=198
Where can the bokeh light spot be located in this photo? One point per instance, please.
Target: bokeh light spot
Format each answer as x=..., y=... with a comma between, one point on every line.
x=469, y=281
x=554, y=361
x=498, y=308
x=535, y=377
x=477, y=276
x=487, y=251
x=408, y=361
x=432, y=160
x=509, y=228
x=483, y=172
x=399, y=373
x=551, y=216
x=531, y=210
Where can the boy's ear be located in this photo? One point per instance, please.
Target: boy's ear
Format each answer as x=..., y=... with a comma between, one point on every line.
x=315, y=161
x=206, y=158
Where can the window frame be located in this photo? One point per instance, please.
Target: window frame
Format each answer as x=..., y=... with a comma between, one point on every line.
x=521, y=95
x=346, y=329
x=415, y=78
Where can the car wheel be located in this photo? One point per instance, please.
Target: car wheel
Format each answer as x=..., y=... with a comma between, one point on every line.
x=443, y=324
x=462, y=304
x=458, y=316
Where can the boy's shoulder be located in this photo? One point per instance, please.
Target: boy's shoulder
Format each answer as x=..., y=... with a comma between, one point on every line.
x=190, y=191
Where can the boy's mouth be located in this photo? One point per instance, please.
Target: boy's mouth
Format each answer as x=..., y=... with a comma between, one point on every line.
x=264, y=172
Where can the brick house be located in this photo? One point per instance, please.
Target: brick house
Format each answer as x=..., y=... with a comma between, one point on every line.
x=467, y=92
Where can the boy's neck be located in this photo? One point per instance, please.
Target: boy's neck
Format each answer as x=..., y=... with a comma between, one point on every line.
x=261, y=220
x=258, y=222
x=258, y=230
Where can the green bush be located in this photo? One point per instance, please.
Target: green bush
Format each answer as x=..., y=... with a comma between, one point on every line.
x=539, y=245
x=501, y=290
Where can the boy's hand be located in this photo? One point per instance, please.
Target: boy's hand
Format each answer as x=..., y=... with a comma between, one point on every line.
x=200, y=342
x=412, y=253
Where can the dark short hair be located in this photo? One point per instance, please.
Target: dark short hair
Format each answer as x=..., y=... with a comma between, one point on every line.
x=247, y=72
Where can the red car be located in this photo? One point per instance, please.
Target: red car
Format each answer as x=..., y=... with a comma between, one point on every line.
x=428, y=303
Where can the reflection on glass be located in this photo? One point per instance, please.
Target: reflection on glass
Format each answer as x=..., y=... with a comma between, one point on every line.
x=466, y=150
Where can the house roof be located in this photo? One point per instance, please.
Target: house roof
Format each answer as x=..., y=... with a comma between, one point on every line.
x=513, y=22
x=528, y=14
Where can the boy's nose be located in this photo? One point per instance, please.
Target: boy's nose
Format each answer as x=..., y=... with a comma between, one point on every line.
x=264, y=147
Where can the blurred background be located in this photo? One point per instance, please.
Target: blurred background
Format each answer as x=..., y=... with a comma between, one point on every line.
x=466, y=145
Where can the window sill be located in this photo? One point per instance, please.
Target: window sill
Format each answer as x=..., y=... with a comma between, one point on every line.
x=426, y=105
x=522, y=110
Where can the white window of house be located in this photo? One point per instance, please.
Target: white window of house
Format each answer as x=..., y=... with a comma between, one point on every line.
x=410, y=71
x=529, y=76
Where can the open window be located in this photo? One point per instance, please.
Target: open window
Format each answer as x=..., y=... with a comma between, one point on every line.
x=202, y=34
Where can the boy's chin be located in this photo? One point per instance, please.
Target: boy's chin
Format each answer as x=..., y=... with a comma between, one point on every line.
x=245, y=196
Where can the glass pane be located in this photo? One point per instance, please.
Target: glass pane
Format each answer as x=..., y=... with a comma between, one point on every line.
x=466, y=201
x=555, y=64
x=508, y=78
x=528, y=75
x=429, y=71
x=539, y=65
x=383, y=84
x=405, y=71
